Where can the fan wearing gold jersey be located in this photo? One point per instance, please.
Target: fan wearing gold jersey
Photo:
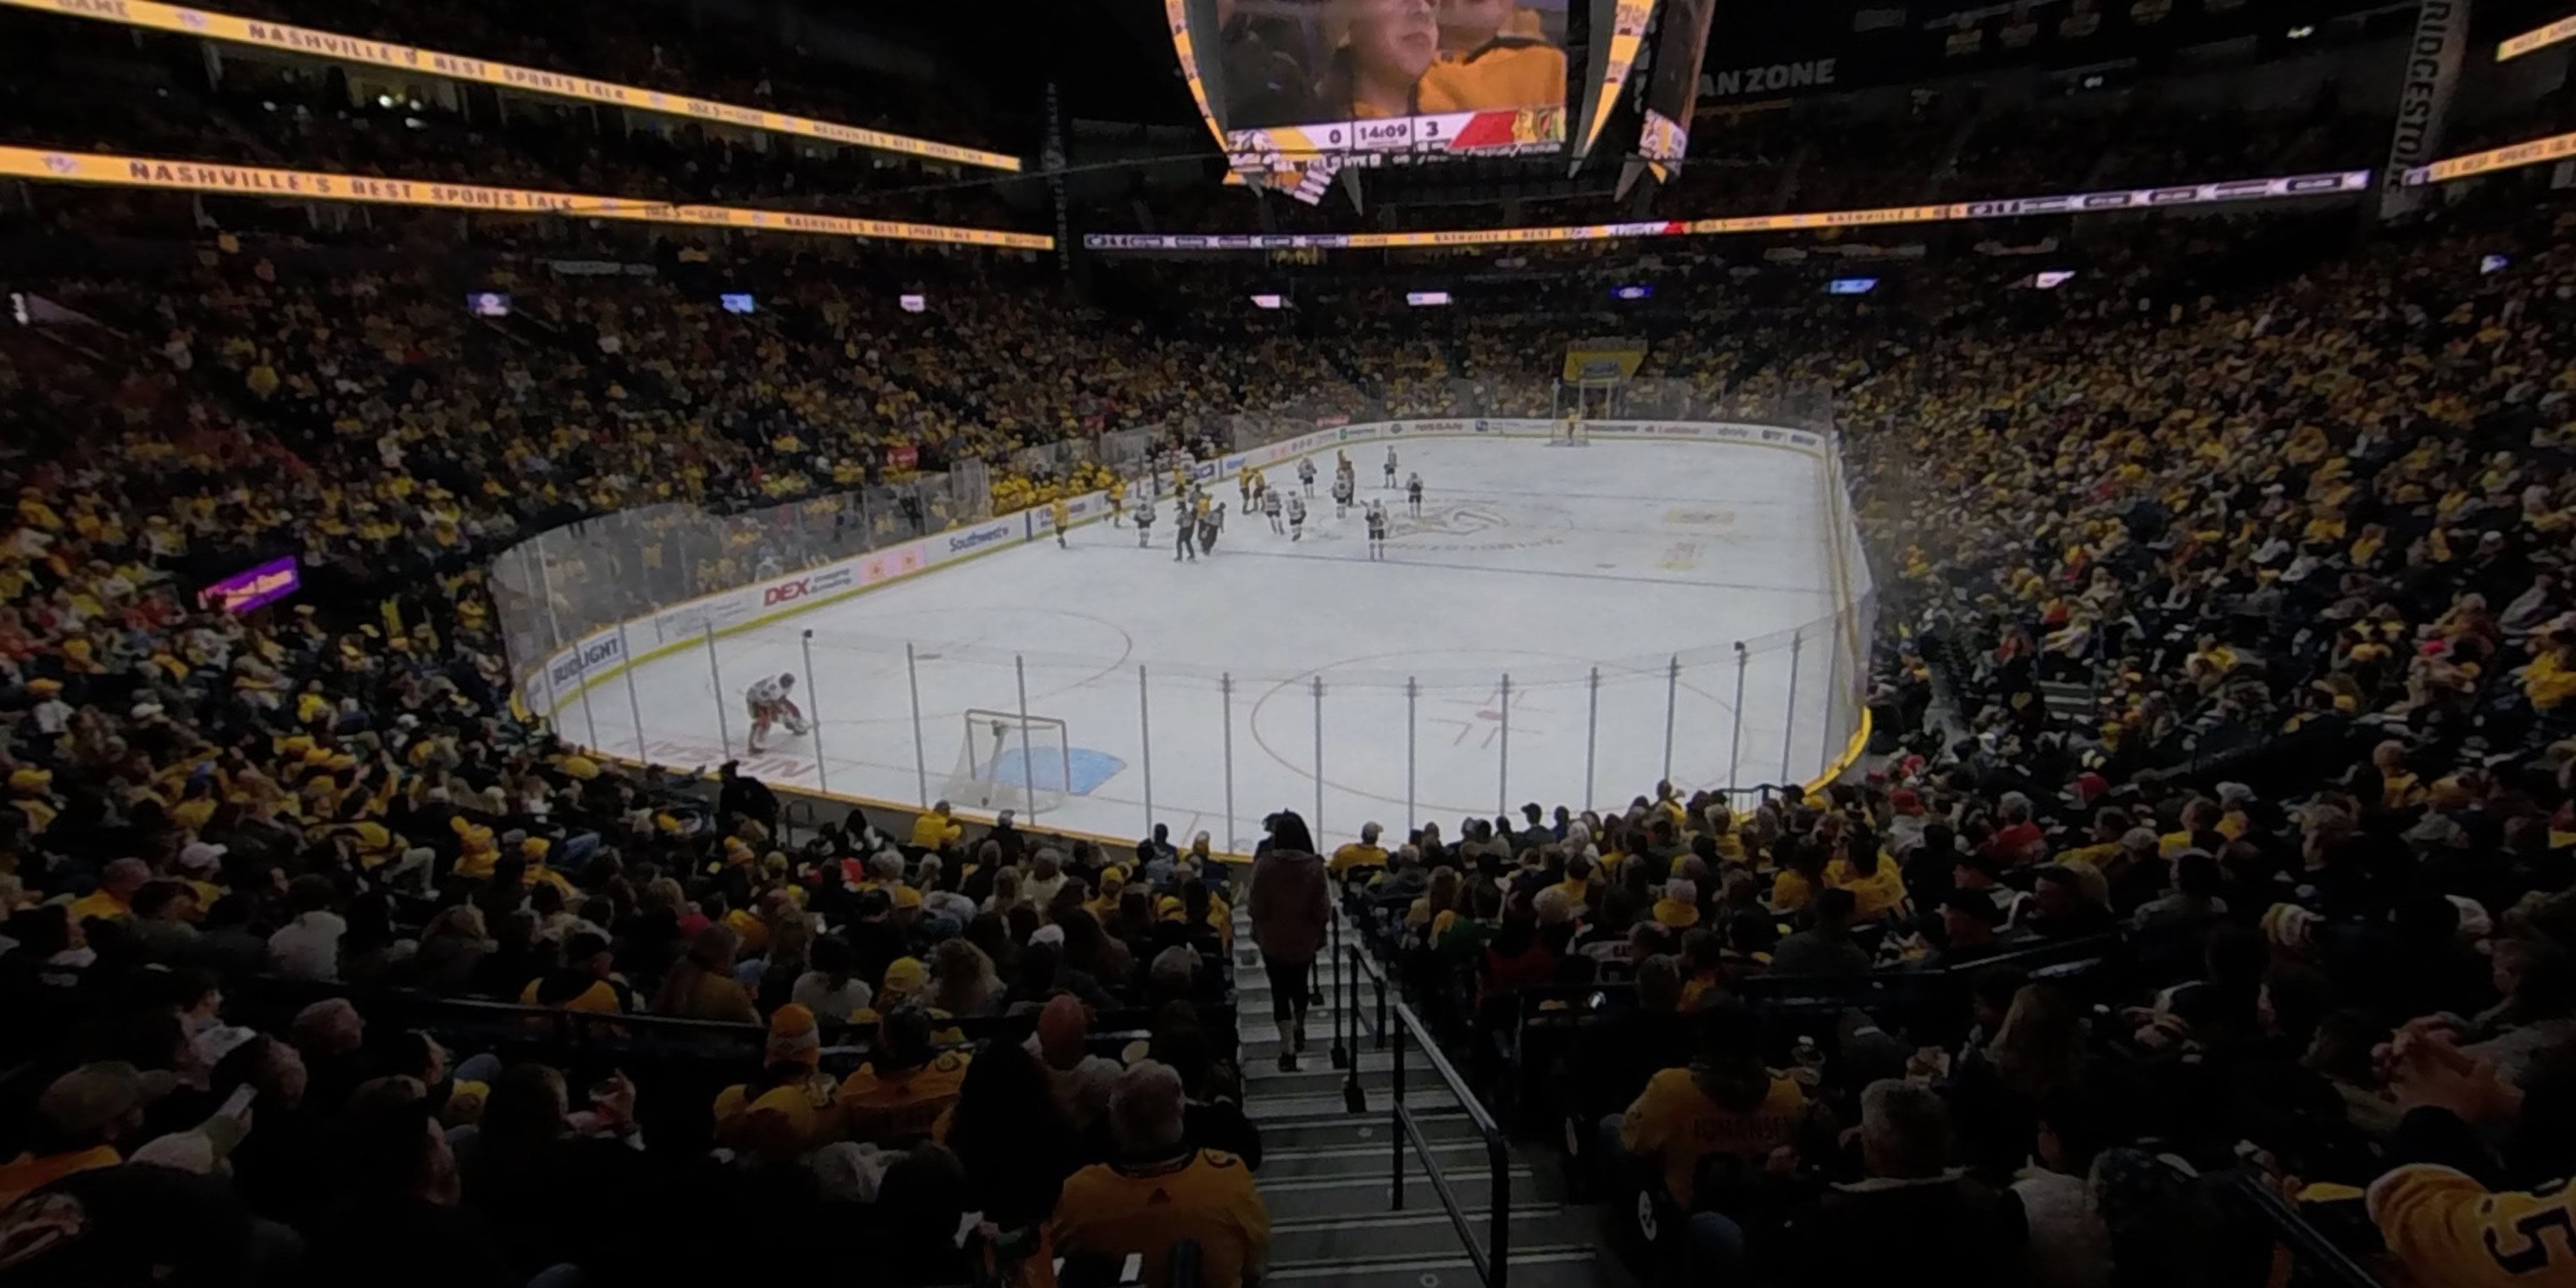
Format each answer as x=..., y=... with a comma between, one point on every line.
x=1491, y=55
x=1161, y=1191
x=2442, y=1224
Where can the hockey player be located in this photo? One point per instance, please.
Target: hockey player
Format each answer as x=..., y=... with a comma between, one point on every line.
x=1118, y=503
x=1296, y=517
x=1341, y=495
x=1306, y=474
x=770, y=704
x=1270, y=507
x=1210, y=524
x=1062, y=513
x=1246, y=479
x=1413, y=492
x=1145, y=525
x=1390, y=466
x=1185, y=532
x=1377, y=530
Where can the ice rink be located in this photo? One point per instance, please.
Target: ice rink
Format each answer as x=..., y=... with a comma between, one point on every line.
x=1534, y=562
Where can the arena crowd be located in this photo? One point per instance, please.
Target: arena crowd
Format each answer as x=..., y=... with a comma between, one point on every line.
x=2218, y=817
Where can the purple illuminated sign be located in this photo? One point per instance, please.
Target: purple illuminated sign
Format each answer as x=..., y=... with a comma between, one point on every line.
x=244, y=591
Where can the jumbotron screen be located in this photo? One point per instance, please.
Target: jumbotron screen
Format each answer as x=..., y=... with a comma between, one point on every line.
x=1288, y=85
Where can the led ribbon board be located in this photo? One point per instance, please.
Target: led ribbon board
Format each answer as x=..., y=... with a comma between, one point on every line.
x=40, y=165
x=231, y=29
x=2276, y=188
x=2537, y=38
x=2467, y=165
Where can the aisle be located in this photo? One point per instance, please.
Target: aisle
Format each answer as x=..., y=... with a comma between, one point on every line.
x=1324, y=1170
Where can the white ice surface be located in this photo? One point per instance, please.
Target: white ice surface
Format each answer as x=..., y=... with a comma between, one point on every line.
x=1541, y=562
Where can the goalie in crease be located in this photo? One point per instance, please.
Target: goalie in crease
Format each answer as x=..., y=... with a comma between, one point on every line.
x=770, y=703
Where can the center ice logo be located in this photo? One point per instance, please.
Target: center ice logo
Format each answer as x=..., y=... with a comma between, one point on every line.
x=1465, y=519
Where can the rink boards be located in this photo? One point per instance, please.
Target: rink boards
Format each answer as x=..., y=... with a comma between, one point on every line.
x=603, y=655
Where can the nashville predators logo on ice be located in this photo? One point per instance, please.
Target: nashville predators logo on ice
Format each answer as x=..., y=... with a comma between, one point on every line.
x=1463, y=519
x=1462, y=523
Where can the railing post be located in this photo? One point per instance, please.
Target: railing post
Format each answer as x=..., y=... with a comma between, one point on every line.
x=1412, y=691
x=1672, y=700
x=1395, y=1134
x=635, y=705
x=920, y=758
x=1225, y=685
x=1789, y=727
x=1735, y=744
x=814, y=699
x=1591, y=737
x=1145, y=727
x=1319, y=756
x=1028, y=760
x=715, y=672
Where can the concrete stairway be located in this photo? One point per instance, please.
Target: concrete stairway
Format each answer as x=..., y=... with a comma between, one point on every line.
x=1325, y=1170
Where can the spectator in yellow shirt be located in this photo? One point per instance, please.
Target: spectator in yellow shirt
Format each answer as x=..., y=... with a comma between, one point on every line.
x=79, y=1120
x=936, y=828
x=1362, y=853
x=893, y=1099
x=113, y=900
x=1162, y=1190
x=1726, y=1102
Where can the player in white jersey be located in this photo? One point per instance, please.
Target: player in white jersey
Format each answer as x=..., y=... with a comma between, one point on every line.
x=1390, y=465
x=1296, y=517
x=1377, y=530
x=1306, y=474
x=1413, y=492
x=769, y=704
x=1270, y=507
x=1341, y=494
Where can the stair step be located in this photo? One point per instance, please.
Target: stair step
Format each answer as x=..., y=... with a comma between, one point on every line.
x=1324, y=1099
x=1344, y=1131
x=1261, y=1076
x=1369, y=1159
x=1422, y=1230
x=1573, y=1265
x=1263, y=1052
x=1368, y=1196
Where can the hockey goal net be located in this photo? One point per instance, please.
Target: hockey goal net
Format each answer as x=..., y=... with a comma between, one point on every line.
x=1569, y=431
x=1010, y=761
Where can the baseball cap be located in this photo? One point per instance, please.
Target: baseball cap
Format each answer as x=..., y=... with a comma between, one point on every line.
x=94, y=1095
x=905, y=976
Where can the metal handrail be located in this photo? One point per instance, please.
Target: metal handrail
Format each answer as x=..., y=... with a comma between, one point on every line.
x=2308, y=1245
x=1492, y=1261
x=1377, y=980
